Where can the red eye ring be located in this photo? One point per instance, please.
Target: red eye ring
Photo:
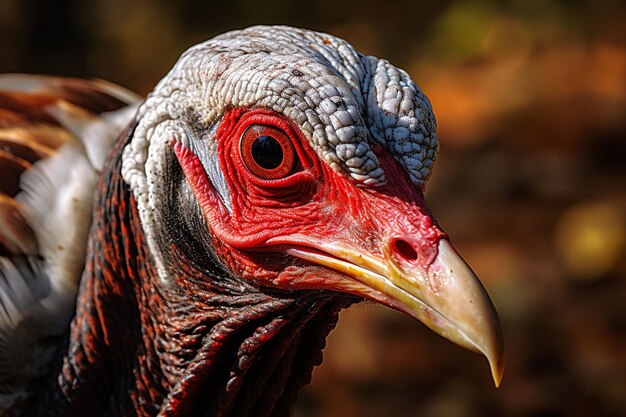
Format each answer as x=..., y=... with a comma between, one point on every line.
x=267, y=152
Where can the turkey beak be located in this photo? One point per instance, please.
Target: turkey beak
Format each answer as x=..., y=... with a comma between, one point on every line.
x=449, y=298
x=445, y=294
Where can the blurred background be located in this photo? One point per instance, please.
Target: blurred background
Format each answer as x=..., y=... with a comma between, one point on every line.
x=530, y=98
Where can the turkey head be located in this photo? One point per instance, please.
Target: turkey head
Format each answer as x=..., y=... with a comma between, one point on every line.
x=299, y=165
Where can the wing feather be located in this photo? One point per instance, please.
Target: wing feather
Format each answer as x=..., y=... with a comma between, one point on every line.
x=54, y=136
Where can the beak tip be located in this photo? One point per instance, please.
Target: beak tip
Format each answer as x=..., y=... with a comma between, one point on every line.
x=496, y=363
x=497, y=371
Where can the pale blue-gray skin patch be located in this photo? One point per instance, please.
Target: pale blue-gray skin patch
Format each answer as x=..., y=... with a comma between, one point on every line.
x=207, y=154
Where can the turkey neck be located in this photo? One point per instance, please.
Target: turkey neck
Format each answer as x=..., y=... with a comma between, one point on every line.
x=205, y=343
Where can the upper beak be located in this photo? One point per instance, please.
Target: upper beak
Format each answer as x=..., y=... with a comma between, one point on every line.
x=463, y=310
x=445, y=295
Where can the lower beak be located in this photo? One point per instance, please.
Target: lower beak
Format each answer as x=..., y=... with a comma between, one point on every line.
x=446, y=295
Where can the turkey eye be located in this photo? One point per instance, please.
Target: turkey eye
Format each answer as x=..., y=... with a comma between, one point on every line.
x=267, y=152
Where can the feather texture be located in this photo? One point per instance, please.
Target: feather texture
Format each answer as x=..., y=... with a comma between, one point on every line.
x=54, y=136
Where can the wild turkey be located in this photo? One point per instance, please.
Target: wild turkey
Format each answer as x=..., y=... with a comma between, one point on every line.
x=272, y=178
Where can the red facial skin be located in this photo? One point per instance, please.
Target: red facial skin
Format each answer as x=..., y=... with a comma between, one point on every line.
x=312, y=205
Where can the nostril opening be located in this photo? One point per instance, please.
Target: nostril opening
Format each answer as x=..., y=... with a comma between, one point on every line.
x=405, y=250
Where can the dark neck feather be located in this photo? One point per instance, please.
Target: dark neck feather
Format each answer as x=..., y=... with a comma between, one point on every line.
x=204, y=344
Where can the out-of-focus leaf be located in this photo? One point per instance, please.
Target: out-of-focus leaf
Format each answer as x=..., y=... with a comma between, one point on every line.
x=591, y=239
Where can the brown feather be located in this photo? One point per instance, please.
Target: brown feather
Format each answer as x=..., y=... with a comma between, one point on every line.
x=16, y=235
x=11, y=168
x=29, y=131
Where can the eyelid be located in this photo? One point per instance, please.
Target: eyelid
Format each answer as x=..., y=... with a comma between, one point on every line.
x=306, y=171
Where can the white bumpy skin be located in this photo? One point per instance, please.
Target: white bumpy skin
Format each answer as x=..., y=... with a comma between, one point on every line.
x=343, y=102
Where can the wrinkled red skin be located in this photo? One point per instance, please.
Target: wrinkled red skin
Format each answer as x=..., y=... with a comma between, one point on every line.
x=314, y=203
x=142, y=347
x=184, y=346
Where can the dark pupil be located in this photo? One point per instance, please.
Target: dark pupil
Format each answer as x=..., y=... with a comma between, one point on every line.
x=267, y=152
